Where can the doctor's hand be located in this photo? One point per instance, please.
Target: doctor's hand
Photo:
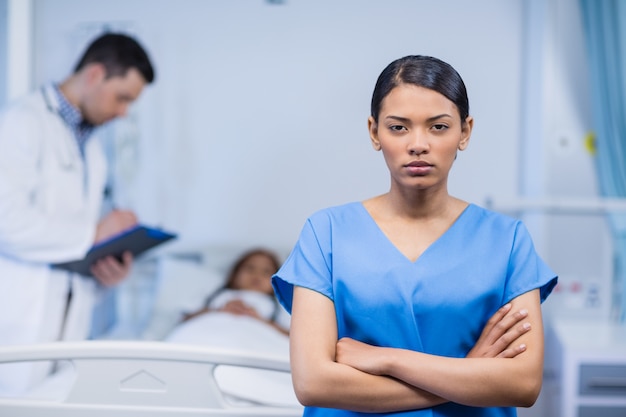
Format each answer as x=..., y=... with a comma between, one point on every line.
x=109, y=271
x=113, y=223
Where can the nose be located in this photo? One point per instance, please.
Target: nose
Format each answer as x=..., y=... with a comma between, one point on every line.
x=418, y=143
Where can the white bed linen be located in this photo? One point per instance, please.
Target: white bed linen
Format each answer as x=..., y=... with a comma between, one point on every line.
x=241, y=333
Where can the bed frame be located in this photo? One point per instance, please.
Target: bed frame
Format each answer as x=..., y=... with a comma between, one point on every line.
x=124, y=379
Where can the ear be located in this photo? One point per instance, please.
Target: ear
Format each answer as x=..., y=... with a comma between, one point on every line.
x=95, y=73
x=372, y=127
x=466, y=132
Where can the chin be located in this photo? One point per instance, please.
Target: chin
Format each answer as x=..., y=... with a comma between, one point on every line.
x=98, y=121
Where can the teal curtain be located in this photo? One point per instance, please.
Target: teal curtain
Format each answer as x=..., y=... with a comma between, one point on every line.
x=604, y=23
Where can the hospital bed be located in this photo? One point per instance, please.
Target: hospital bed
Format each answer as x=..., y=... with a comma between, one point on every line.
x=139, y=371
x=124, y=378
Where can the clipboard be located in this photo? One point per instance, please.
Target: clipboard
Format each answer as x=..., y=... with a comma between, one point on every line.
x=136, y=240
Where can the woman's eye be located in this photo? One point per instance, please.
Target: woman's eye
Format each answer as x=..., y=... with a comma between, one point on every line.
x=439, y=127
x=396, y=128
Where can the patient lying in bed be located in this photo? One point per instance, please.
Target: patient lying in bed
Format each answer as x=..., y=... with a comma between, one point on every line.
x=246, y=299
x=244, y=315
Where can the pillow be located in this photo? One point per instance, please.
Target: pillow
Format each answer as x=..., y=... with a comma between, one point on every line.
x=182, y=287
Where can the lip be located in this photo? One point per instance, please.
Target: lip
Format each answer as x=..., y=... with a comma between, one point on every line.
x=418, y=164
x=418, y=167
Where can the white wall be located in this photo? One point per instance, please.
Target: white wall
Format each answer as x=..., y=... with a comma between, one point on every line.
x=258, y=116
x=3, y=51
x=19, y=48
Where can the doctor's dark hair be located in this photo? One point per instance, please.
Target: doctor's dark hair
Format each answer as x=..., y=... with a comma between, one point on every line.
x=421, y=71
x=118, y=53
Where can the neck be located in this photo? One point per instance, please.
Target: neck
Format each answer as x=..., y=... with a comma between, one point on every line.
x=71, y=90
x=417, y=204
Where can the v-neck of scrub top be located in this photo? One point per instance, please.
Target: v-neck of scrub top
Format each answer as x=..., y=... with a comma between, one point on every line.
x=395, y=248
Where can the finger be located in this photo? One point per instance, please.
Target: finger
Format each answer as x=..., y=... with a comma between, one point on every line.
x=130, y=219
x=502, y=329
x=127, y=258
x=513, y=351
x=507, y=323
x=109, y=271
x=496, y=318
x=124, y=218
x=499, y=315
x=512, y=335
x=101, y=274
x=519, y=315
x=131, y=216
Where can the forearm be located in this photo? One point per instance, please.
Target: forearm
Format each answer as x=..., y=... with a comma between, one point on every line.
x=334, y=385
x=504, y=368
x=478, y=382
x=320, y=380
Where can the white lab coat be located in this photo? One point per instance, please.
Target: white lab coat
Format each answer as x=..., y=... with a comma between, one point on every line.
x=50, y=201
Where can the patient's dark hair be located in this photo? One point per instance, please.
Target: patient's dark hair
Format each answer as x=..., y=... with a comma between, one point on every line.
x=118, y=53
x=235, y=270
x=244, y=258
x=422, y=71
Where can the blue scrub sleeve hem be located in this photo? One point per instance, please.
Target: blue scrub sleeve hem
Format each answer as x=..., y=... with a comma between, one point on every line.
x=544, y=291
x=283, y=290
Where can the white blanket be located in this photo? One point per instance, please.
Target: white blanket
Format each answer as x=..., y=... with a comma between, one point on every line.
x=242, y=333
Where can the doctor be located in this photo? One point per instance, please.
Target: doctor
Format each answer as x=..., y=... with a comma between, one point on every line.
x=52, y=178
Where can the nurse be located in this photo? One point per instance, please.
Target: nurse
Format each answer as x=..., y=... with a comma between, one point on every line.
x=52, y=178
x=390, y=296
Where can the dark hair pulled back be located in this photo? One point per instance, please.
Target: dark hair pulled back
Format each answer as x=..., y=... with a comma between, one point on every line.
x=422, y=71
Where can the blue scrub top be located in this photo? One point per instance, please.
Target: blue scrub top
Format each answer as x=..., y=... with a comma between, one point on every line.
x=438, y=304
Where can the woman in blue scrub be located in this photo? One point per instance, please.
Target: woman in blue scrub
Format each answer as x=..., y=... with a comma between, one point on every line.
x=414, y=302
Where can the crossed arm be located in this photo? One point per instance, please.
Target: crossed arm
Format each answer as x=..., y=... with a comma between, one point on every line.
x=503, y=369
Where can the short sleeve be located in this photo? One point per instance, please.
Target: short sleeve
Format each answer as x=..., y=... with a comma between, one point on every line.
x=308, y=265
x=526, y=270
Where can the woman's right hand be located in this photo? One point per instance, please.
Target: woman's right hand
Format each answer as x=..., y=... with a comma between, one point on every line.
x=499, y=336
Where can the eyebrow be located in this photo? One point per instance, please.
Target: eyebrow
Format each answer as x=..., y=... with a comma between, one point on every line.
x=430, y=119
x=398, y=118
